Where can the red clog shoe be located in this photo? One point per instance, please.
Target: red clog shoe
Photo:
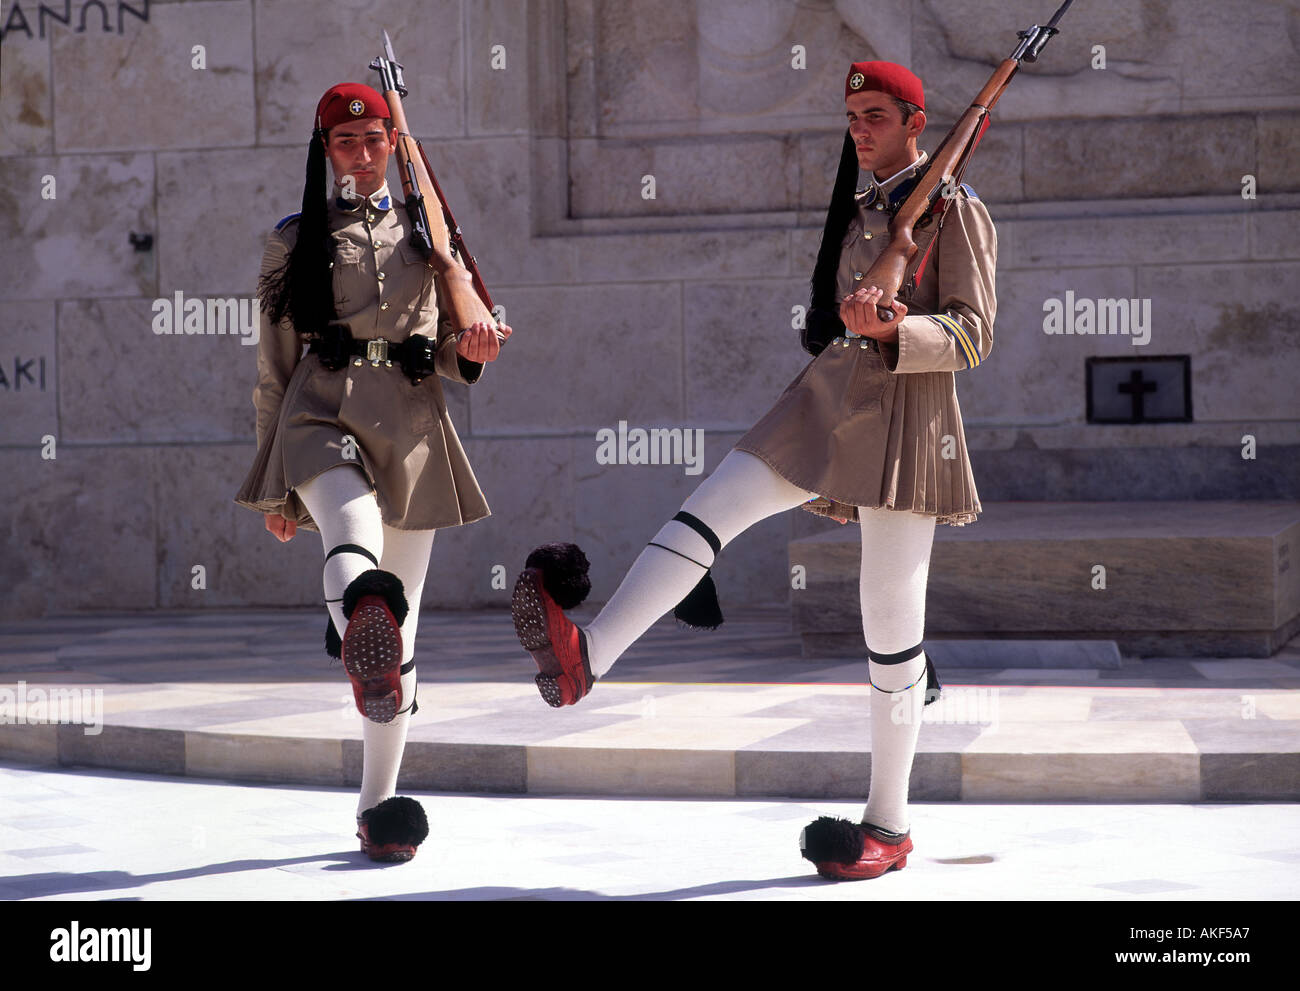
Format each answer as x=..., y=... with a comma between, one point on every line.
x=375, y=606
x=554, y=578
x=392, y=830
x=851, y=851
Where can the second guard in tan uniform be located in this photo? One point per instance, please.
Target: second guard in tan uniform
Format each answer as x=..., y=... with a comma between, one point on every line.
x=869, y=431
x=353, y=437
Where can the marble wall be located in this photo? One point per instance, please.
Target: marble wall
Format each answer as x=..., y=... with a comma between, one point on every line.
x=134, y=171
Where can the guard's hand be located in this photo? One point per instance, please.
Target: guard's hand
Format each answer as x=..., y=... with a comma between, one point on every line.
x=283, y=529
x=823, y=503
x=859, y=314
x=479, y=341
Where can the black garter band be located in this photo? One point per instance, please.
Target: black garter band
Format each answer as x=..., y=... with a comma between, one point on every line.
x=679, y=554
x=699, y=610
x=350, y=549
x=899, y=658
x=932, y=686
x=700, y=527
x=407, y=668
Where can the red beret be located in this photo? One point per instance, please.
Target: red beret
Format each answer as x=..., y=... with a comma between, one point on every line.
x=349, y=101
x=885, y=77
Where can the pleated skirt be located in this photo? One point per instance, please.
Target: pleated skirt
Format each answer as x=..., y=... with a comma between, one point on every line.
x=856, y=434
x=398, y=434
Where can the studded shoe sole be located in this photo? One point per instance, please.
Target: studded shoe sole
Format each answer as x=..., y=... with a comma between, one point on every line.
x=372, y=656
x=564, y=674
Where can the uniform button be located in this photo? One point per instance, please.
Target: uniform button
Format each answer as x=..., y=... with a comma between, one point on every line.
x=880, y=206
x=383, y=306
x=381, y=276
x=866, y=236
x=377, y=244
x=857, y=276
x=370, y=216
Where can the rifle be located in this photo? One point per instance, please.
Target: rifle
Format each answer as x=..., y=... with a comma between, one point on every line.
x=466, y=303
x=941, y=177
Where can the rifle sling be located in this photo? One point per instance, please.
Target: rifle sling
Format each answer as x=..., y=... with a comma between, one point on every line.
x=961, y=171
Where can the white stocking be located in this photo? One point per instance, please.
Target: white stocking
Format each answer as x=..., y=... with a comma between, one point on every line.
x=345, y=511
x=895, y=568
x=741, y=492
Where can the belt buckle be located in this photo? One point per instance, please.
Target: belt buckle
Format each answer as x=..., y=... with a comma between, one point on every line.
x=376, y=351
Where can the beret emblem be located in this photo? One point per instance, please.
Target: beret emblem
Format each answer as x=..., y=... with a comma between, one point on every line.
x=357, y=108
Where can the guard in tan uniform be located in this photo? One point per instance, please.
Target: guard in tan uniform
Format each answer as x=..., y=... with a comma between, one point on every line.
x=869, y=431
x=353, y=436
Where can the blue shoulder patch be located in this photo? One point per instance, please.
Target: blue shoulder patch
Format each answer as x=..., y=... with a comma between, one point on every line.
x=292, y=216
x=969, y=192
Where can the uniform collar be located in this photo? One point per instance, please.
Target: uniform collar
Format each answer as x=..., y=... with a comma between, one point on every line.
x=379, y=199
x=896, y=187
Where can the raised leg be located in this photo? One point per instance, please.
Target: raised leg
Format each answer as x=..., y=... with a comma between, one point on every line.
x=741, y=492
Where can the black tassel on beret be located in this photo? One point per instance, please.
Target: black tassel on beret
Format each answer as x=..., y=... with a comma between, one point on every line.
x=830, y=840
x=700, y=609
x=564, y=572
x=294, y=289
x=823, y=323
x=397, y=820
x=376, y=582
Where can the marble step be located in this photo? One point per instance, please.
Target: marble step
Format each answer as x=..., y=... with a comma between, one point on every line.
x=1202, y=579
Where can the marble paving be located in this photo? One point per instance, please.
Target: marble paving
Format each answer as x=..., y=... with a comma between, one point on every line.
x=90, y=835
x=250, y=695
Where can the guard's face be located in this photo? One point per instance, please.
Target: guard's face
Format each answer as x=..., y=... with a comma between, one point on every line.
x=878, y=132
x=361, y=149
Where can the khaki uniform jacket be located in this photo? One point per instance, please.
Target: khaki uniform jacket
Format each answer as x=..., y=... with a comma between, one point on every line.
x=879, y=425
x=310, y=419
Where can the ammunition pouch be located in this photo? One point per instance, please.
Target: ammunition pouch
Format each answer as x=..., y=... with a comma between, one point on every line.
x=333, y=346
x=419, y=357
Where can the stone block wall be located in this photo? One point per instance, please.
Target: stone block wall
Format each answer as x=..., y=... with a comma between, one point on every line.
x=187, y=123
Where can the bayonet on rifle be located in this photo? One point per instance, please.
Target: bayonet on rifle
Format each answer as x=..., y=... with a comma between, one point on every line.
x=948, y=165
x=434, y=232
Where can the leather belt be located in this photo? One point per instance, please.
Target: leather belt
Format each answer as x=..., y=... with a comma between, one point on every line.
x=377, y=351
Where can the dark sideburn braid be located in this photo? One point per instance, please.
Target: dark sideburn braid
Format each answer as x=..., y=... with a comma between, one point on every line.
x=823, y=322
x=302, y=288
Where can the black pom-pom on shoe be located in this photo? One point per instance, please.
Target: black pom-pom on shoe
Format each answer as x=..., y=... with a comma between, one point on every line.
x=376, y=582
x=830, y=840
x=398, y=820
x=564, y=572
